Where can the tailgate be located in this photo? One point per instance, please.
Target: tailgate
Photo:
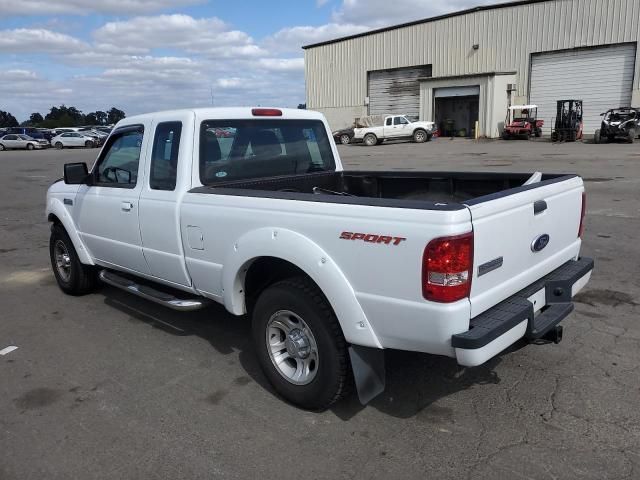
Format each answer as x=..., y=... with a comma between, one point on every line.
x=522, y=234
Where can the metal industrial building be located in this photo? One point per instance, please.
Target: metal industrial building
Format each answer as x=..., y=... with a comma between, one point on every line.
x=466, y=66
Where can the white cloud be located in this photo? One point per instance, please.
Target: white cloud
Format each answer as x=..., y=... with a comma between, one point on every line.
x=282, y=64
x=24, y=40
x=381, y=13
x=82, y=7
x=294, y=38
x=206, y=36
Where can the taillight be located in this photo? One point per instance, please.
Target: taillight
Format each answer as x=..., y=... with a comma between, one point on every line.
x=582, y=214
x=447, y=268
x=266, y=112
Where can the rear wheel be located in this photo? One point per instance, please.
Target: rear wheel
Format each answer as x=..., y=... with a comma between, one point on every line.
x=2, y=147
x=30, y=146
x=73, y=277
x=59, y=145
x=300, y=345
x=370, y=140
x=632, y=135
x=554, y=136
x=345, y=139
x=88, y=144
x=419, y=136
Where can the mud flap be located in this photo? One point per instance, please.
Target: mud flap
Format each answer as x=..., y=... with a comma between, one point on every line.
x=368, y=371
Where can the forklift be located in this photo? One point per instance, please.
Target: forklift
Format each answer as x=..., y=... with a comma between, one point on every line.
x=568, y=124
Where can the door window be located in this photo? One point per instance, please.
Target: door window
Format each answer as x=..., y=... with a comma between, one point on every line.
x=118, y=163
x=164, y=159
x=10, y=137
x=400, y=121
x=389, y=121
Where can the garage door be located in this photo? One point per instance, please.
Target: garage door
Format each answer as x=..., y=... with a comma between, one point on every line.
x=601, y=77
x=396, y=91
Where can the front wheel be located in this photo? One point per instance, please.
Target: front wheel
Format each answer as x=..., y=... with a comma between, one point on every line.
x=2, y=148
x=30, y=146
x=73, y=277
x=597, y=137
x=370, y=140
x=59, y=145
x=88, y=144
x=300, y=345
x=345, y=139
x=419, y=136
x=632, y=135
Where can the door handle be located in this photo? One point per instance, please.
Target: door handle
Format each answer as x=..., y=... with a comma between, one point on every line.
x=539, y=207
x=127, y=206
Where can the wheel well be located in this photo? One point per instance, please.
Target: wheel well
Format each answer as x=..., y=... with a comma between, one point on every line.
x=266, y=271
x=53, y=219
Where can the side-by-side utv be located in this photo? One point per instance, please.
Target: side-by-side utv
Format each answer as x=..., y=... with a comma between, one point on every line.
x=522, y=122
x=623, y=122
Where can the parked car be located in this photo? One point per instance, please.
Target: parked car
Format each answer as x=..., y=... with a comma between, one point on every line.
x=618, y=123
x=14, y=141
x=343, y=136
x=331, y=266
x=98, y=136
x=375, y=129
x=73, y=139
x=30, y=131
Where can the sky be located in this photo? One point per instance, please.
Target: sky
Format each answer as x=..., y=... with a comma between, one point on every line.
x=149, y=55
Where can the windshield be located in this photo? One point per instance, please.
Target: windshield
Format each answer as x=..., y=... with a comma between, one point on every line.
x=241, y=149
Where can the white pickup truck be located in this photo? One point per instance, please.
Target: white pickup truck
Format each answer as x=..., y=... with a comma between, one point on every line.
x=251, y=208
x=377, y=129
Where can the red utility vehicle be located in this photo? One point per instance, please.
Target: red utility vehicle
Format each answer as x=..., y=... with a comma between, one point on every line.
x=522, y=122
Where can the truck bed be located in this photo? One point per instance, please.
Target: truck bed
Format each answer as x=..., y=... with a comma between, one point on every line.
x=418, y=190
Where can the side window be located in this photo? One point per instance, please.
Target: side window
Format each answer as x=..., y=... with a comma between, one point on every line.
x=11, y=137
x=164, y=159
x=389, y=121
x=118, y=163
x=397, y=120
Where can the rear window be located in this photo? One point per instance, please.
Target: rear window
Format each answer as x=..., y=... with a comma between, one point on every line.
x=242, y=149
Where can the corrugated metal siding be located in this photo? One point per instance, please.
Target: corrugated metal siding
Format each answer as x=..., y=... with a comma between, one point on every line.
x=396, y=91
x=601, y=77
x=336, y=73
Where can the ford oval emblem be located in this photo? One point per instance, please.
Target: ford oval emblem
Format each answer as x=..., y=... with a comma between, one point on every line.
x=540, y=243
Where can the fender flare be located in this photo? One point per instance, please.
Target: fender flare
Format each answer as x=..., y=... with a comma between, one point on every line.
x=57, y=208
x=310, y=258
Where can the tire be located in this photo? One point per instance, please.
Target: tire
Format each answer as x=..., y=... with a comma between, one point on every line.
x=88, y=144
x=538, y=132
x=596, y=137
x=632, y=135
x=345, y=139
x=420, y=136
x=379, y=142
x=2, y=148
x=370, y=140
x=73, y=277
x=59, y=145
x=298, y=304
x=505, y=136
x=554, y=136
x=30, y=146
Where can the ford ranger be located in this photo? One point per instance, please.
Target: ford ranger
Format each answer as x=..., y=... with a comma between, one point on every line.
x=375, y=129
x=252, y=209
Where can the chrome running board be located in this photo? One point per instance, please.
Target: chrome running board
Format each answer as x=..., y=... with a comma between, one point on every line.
x=149, y=293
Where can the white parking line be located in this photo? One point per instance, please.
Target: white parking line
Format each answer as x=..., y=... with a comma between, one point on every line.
x=9, y=349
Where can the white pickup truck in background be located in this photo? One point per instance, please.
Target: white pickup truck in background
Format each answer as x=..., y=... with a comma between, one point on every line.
x=375, y=129
x=251, y=208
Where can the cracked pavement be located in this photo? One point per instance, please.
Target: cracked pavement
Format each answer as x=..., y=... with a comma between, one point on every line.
x=109, y=386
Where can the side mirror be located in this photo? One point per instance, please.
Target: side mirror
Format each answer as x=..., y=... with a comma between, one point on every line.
x=75, y=173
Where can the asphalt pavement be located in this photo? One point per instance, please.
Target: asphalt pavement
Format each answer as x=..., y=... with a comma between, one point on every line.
x=108, y=386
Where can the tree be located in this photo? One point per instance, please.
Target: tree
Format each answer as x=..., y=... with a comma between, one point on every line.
x=101, y=117
x=114, y=115
x=35, y=119
x=64, y=116
x=7, y=120
x=91, y=119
